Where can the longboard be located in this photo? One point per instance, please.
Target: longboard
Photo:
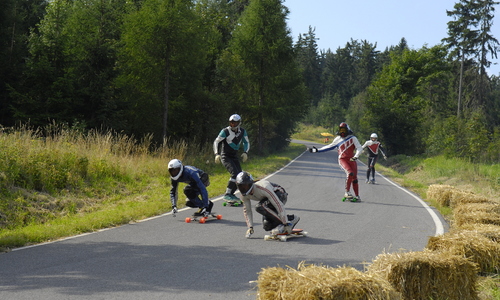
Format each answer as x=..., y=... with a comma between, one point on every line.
x=352, y=199
x=284, y=237
x=203, y=219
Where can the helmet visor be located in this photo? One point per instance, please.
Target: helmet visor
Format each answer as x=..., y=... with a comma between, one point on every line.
x=245, y=188
x=343, y=131
x=174, y=172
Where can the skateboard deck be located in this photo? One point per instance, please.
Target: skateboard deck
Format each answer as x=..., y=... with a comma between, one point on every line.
x=352, y=199
x=203, y=219
x=231, y=203
x=285, y=237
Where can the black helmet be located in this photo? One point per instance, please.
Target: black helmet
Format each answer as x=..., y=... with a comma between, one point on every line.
x=244, y=181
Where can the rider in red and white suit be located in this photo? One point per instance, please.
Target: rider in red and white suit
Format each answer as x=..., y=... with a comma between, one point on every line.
x=349, y=150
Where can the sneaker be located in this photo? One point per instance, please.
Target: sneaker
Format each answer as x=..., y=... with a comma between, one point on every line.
x=201, y=212
x=227, y=197
x=367, y=181
x=280, y=229
x=234, y=197
x=348, y=195
x=373, y=181
x=292, y=221
x=357, y=198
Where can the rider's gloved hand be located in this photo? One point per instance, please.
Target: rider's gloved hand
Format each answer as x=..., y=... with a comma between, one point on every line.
x=244, y=157
x=249, y=232
x=385, y=157
x=217, y=159
x=313, y=149
x=354, y=158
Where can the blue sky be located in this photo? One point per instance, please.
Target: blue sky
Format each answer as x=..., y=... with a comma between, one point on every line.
x=384, y=22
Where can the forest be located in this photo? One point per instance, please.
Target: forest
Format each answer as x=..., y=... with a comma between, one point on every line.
x=175, y=70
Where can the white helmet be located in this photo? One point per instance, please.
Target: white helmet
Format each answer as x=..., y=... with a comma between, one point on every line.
x=374, y=135
x=175, y=169
x=235, y=118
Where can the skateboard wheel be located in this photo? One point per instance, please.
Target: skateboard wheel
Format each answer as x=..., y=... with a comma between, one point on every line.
x=224, y=204
x=267, y=237
x=236, y=204
x=188, y=220
x=283, y=238
x=203, y=220
x=219, y=217
x=343, y=199
x=304, y=233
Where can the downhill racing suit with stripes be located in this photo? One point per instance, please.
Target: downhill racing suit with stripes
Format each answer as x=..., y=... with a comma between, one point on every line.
x=348, y=147
x=373, y=148
x=271, y=198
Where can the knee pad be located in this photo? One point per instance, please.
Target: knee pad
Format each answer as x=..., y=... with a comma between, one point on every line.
x=355, y=181
x=351, y=174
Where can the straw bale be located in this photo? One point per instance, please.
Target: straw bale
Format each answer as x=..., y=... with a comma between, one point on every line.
x=441, y=193
x=488, y=230
x=427, y=275
x=471, y=245
x=463, y=197
x=476, y=217
x=447, y=195
x=311, y=282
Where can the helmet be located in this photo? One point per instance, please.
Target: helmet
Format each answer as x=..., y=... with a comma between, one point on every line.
x=175, y=169
x=234, y=122
x=244, y=181
x=374, y=136
x=344, y=130
x=235, y=118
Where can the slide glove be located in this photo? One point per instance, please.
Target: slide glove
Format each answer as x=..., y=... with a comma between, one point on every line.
x=244, y=157
x=313, y=149
x=385, y=157
x=249, y=232
x=217, y=159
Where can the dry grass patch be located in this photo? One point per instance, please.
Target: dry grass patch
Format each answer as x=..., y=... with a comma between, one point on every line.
x=310, y=282
x=427, y=275
x=471, y=245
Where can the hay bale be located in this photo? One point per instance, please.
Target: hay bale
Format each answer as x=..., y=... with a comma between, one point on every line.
x=471, y=245
x=462, y=197
x=310, y=282
x=427, y=275
x=490, y=231
x=441, y=193
x=476, y=217
x=447, y=195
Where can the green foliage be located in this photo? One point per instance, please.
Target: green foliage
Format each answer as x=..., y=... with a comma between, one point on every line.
x=398, y=98
x=263, y=76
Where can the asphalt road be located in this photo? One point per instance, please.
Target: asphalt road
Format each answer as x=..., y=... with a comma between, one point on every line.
x=166, y=258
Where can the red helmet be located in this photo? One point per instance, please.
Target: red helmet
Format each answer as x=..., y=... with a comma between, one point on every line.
x=344, y=130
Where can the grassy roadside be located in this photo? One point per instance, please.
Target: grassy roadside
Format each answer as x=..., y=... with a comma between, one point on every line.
x=120, y=182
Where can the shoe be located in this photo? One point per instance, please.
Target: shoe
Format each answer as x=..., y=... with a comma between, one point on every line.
x=234, y=198
x=292, y=221
x=367, y=181
x=348, y=195
x=356, y=199
x=201, y=212
x=280, y=229
x=210, y=205
x=373, y=181
x=227, y=197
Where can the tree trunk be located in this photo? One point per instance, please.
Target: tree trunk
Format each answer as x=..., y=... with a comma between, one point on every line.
x=166, y=97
